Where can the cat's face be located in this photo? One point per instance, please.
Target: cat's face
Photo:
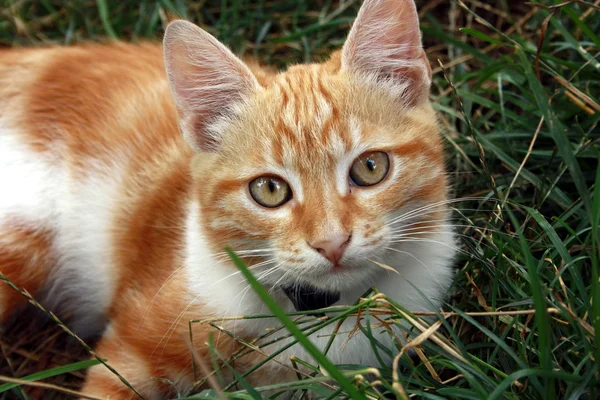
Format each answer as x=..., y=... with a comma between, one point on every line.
x=314, y=167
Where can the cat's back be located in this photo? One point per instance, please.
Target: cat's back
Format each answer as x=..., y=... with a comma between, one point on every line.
x=83, y=130
x=97, y=90
x=74, y=114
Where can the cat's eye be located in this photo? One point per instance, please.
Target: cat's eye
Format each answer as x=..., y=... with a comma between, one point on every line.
x=370, y=168
x=270, y=191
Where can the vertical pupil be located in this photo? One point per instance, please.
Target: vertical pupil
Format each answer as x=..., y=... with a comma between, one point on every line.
x=370, y=164
x=272, y=185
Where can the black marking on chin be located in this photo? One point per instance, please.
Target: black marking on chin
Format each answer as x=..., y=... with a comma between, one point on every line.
x=308, y=298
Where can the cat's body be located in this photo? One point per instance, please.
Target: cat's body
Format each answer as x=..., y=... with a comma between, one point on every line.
x=71, y=168
x=107, y=213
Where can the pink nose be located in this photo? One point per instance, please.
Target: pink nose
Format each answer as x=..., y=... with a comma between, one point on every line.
x=332, y=249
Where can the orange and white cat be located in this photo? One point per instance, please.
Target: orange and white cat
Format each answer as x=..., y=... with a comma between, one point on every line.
x=110, y=216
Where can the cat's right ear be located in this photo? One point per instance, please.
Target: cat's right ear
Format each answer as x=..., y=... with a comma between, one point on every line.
x=207, y=81
x=385, y=44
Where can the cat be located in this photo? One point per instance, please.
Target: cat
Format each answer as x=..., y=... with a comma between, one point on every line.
x=126, y=170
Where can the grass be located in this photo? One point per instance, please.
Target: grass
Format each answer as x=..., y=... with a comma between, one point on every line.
x=518, y=97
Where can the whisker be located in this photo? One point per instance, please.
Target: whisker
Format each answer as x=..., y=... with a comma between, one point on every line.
x=165, y=283
x=432, y=206
x=269, y=272
x=427, y=240
x=419, y=261
x=421, y=221
x=276, y=284
x=245, y=291
x=411, y=235
x=473, y=227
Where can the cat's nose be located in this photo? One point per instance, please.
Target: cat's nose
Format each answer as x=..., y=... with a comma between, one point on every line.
x=332, y=249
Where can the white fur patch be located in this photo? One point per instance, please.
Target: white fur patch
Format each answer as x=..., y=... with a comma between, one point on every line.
x=39, y=190
x=85, y=273
x=29, y=184
x=215, y=282
x=213, y=279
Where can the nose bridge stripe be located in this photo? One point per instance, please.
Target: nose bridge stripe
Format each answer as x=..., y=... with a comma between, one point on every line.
x=324, y=212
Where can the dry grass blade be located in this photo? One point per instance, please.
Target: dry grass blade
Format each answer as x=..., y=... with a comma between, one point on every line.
x=577, y=101
x=529, y=150
x=448, y=314
x=427, y=363
x=396, y=384
x=423, y=336
x=434, y=336
x=480, y=298
x=386, y=267
x=564, y=3
x=579, y=94
x=543, y=29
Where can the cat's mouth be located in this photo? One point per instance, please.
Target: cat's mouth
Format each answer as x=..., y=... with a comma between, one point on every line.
x=306, y=297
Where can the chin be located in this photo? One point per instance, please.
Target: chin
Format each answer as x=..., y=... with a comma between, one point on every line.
x=350, y=274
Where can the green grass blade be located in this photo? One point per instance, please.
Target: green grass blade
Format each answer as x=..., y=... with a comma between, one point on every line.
x=552, y=235
x=105, y=17
x=51, y=372
x=253, y=393
x=540, y=303
x=557, y=131
x=504, y=386
x=595, y=267
x=500, y=343
x=483, y=36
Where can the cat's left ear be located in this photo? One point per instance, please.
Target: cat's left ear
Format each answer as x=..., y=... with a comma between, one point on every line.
x=207, y=81
x=385, y=44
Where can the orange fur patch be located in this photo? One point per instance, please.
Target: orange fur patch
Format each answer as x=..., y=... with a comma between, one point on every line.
x=26, y=258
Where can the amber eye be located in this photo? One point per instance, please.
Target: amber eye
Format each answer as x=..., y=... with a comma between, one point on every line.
x=270, y=191
x=370, y=168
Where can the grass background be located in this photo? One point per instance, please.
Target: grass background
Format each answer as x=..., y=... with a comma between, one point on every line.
x=519, y=105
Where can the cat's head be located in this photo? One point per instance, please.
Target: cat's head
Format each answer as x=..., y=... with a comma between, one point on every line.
x=316, y=165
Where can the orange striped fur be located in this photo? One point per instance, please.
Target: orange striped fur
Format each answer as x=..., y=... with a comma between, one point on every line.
x=123, y=184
